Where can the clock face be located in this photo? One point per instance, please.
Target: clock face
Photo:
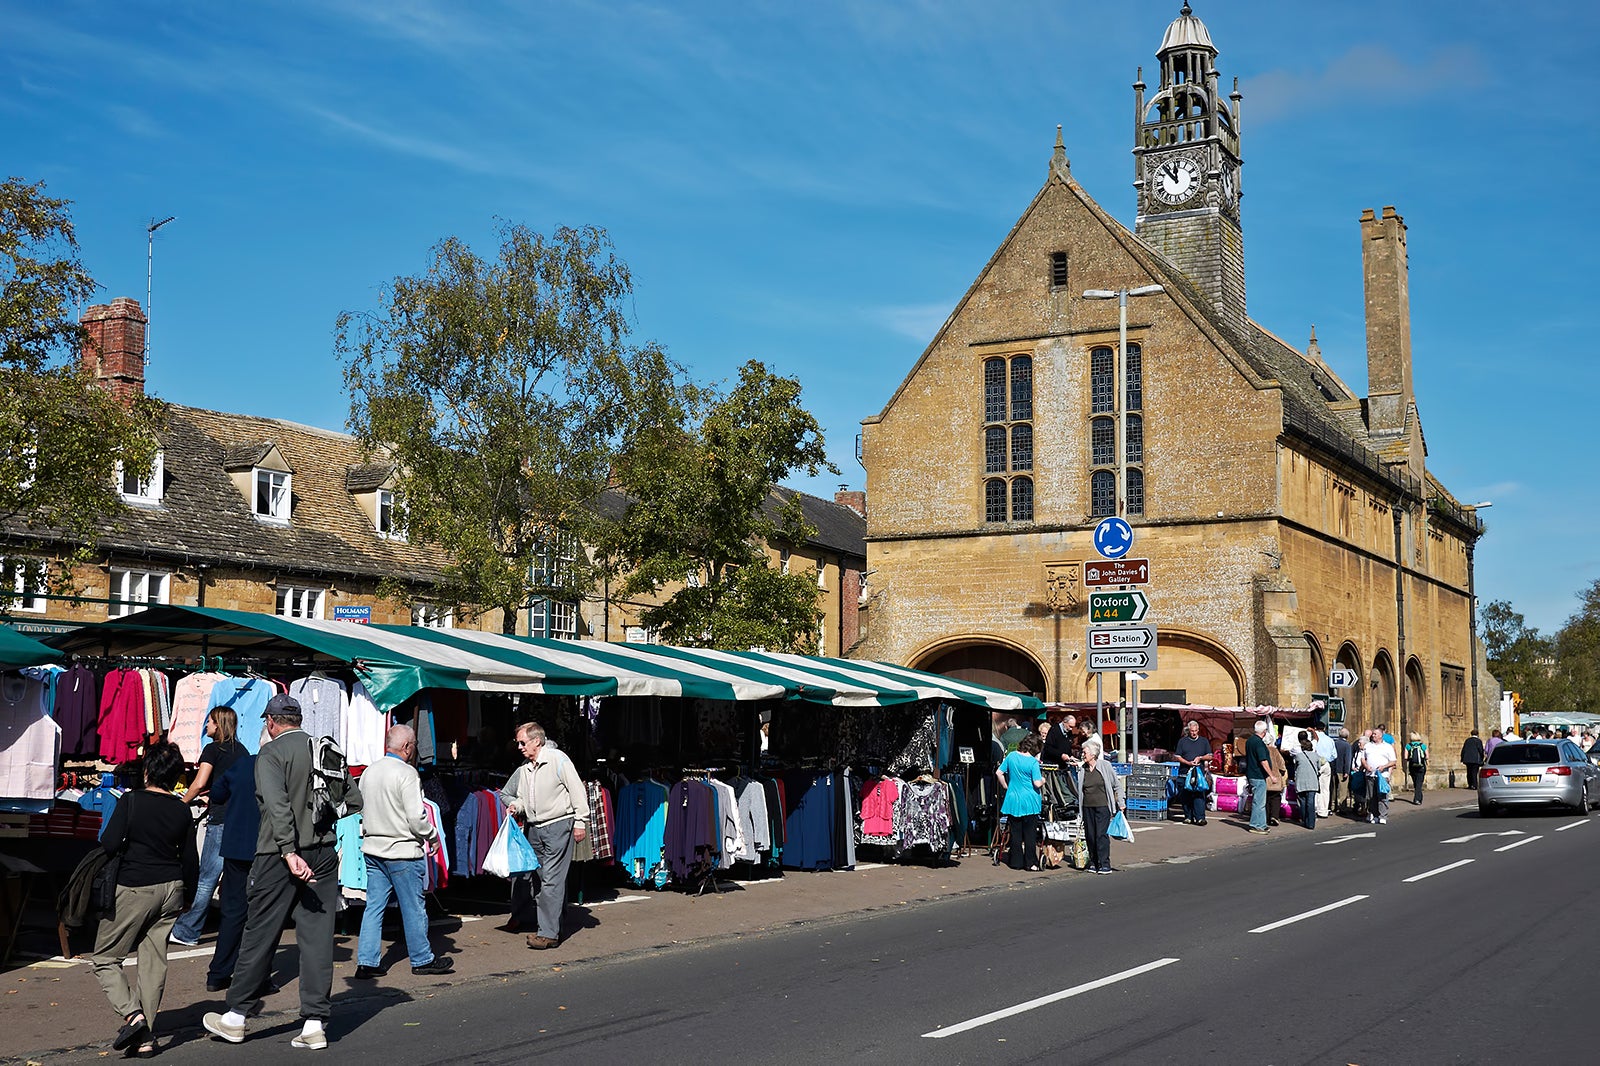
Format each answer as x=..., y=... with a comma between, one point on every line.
x=1175, y=180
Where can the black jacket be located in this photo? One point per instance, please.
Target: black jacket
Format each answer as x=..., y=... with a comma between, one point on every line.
x=1472, y=752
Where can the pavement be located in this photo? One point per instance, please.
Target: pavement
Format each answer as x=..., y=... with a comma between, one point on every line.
x=53, y=1006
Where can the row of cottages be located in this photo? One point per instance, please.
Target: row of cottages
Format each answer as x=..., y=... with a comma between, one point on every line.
x=1291, y=524
x=265, y=515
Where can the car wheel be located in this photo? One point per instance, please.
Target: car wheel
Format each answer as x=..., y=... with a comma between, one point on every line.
x=1485, y=810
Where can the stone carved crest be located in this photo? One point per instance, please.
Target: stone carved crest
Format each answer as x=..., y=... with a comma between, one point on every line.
x=1063, y=583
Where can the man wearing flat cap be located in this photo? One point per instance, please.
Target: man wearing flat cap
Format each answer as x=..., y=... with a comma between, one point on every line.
x=296, y=871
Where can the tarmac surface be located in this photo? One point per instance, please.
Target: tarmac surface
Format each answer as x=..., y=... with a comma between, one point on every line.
x=54, y=1011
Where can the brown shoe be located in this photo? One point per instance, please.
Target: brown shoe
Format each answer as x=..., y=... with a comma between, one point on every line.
x=540, y=943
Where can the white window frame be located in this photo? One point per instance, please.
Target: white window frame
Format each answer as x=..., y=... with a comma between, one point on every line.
x=783, y=561
x=27, y=581
x=553, y=618
x=389, y=528
x=279, y=500
x=432, y=616
x=298, y=601
x=134, y=590
x=146, y=489
x=822, y=574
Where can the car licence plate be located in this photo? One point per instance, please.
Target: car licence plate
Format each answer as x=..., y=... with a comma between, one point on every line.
x=1524, y=778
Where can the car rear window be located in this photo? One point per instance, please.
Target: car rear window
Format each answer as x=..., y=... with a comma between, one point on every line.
x=1523, y=754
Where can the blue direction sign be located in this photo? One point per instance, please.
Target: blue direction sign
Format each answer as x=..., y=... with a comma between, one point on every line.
x=1113, y=537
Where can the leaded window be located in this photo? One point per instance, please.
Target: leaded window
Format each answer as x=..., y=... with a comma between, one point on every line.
x=1103, y=442
x=994, y=500
x=994, y=390
x=1102, y=381
x=1133, y=378
x=1022, y=447
x=994, y=450
x=1022, y=499
x=1135, y=499
x=1103, y=493
x=1133, y=441
x=1021, y=388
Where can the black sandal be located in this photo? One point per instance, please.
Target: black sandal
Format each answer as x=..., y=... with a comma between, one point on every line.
x=132, y=1032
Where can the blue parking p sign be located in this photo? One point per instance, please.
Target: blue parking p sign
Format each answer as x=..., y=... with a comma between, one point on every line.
x=1113, y=537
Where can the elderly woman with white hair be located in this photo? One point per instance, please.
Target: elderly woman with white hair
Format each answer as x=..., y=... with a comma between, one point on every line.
x=1102, y=798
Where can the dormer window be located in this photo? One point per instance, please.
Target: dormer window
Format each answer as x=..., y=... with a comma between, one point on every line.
x=141, y=487
x=272, y=495
x=387, y=516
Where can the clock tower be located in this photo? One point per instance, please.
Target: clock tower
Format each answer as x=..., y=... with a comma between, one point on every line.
x=1186, y=167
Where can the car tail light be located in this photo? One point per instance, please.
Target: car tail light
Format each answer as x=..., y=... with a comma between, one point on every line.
x=1488, y=771
x=1560, y=771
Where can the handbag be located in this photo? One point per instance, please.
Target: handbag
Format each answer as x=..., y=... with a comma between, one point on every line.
x=510, y=853
x=1118, y=828
x=103, y=887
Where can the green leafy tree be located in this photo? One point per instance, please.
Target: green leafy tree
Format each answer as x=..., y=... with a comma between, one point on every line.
x=699, y=514
x=1577, y=654
x=61, y=438
x=499, y=389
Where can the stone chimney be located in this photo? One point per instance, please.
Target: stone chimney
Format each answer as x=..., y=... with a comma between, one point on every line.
x=113, y=351
x=856, y=501
x=1383, y=260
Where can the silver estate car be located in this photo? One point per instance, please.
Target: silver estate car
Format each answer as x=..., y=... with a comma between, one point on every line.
x=1538, y=773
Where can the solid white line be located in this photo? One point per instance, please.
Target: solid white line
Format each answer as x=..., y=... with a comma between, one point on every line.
x=619, y=899
x=1519, y=843
x=1462, y=807
x=871, y=866
x=1440, y=870
x=1571, y=825
x=1308, y=914
x=1045, y=1001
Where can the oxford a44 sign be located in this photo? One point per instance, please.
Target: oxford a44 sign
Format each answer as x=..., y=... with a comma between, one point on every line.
x=1130, y=606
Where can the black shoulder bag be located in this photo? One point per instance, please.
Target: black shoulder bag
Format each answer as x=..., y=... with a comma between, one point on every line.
x=103, y=889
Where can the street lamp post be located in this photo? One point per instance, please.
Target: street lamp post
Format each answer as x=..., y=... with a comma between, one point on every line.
x=1120, y=409
x=1121, y=401
x=1472, y=606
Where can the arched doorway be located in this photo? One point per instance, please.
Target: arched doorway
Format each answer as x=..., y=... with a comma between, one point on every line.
x=1385, y=710
x=1355, y=702
x=1417, y=710
x=996, y=665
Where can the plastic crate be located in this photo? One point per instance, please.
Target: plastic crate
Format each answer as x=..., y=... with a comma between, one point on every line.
x=1155, y=769
x=1140, y=803
x=1146, y=816
x=1147, y=793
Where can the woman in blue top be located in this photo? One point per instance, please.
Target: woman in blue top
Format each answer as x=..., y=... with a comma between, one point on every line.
x=1020, y=776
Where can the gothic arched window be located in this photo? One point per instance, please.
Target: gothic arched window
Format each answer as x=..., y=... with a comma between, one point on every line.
x=994, y=500
x=1022, y=499
x=1135, y=497
x=1103, y=493
x=1102, y=381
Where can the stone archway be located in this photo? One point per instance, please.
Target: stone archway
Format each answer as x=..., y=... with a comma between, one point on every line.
x=1418, y=713
x=986, y=662
x=1319, y=663
x=1205, y=671
x=1385, y=709
x=1355, y=697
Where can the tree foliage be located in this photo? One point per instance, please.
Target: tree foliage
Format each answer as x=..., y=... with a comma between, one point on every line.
x=500, y=388
x=698, y=477
x=61, y=438
x=1551, y=673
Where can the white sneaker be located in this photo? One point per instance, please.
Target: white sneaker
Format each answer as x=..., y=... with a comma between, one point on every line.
x=1383, y=821
x=314, y=1041
x=216, y=1025
x=174, y=938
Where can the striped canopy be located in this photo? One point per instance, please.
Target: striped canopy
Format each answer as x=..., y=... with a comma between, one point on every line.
x=396, y=662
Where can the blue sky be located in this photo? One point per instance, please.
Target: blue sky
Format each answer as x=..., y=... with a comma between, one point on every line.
x=816, y=184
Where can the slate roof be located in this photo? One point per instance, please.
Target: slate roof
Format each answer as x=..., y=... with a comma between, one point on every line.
x=838, y=528
x=203, y=517
x=368, y=477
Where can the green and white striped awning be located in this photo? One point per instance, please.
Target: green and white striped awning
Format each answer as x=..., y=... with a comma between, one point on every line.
x=396, y=662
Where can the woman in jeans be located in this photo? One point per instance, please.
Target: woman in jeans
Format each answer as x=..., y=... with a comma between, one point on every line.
x=1102, y=798
x=153, y=832
x=222, y=752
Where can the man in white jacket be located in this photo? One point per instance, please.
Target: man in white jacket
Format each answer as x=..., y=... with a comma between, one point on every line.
x=396, y=838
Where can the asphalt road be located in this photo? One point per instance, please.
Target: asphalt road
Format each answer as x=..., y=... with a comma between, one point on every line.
x=1427, y=949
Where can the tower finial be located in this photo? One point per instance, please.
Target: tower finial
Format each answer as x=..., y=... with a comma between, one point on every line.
x=1058, y=158
x=1187, y=10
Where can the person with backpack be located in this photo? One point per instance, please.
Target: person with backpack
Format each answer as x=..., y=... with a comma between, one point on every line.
x=1416, y=765
x=303, y=788
x=150, y=835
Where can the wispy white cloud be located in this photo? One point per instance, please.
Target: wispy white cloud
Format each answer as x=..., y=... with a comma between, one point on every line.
x=1365, y=72
x=1497, y=491
x=917, y=321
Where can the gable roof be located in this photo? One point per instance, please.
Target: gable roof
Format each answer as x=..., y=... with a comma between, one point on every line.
x=838, y=528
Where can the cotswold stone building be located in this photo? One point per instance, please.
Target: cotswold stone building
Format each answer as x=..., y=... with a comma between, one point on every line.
x=1291, y=522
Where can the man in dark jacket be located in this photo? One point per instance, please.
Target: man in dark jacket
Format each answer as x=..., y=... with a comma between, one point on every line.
x=295, y=871
x=1343, y=760
x=235, y=792
x=1472, y=756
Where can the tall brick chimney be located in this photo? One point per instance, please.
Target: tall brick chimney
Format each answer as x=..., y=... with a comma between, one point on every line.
x=1383, y=259
x=856, y=501
x=114, y=349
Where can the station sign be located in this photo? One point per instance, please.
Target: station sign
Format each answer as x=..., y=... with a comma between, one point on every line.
x=1121, y=638
x=1117, y=572
x=1130, y=606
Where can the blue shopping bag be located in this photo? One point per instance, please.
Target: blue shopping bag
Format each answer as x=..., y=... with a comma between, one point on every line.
x=1119, y=827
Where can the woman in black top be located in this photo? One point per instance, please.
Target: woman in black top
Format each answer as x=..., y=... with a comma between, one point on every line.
x=222, y=752
x=152, y=830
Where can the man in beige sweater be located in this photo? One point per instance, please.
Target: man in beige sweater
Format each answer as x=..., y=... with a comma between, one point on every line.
x=396, y=838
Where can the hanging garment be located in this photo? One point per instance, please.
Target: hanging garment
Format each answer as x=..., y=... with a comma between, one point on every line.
x=878, y=805
x=364, y=727
x=690, y=837
x=751, y=800
x=436, y=862
x=191, y=703
x=322, y=705
x=641, y=823
x=77, y=711
x=599, y=820
x=30, y=740
x=247, y=697
x=730, y=833
x=122, y=697
x=925, y=815
x=809, y=827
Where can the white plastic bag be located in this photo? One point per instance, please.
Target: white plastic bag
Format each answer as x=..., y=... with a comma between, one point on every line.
x=510, y=854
